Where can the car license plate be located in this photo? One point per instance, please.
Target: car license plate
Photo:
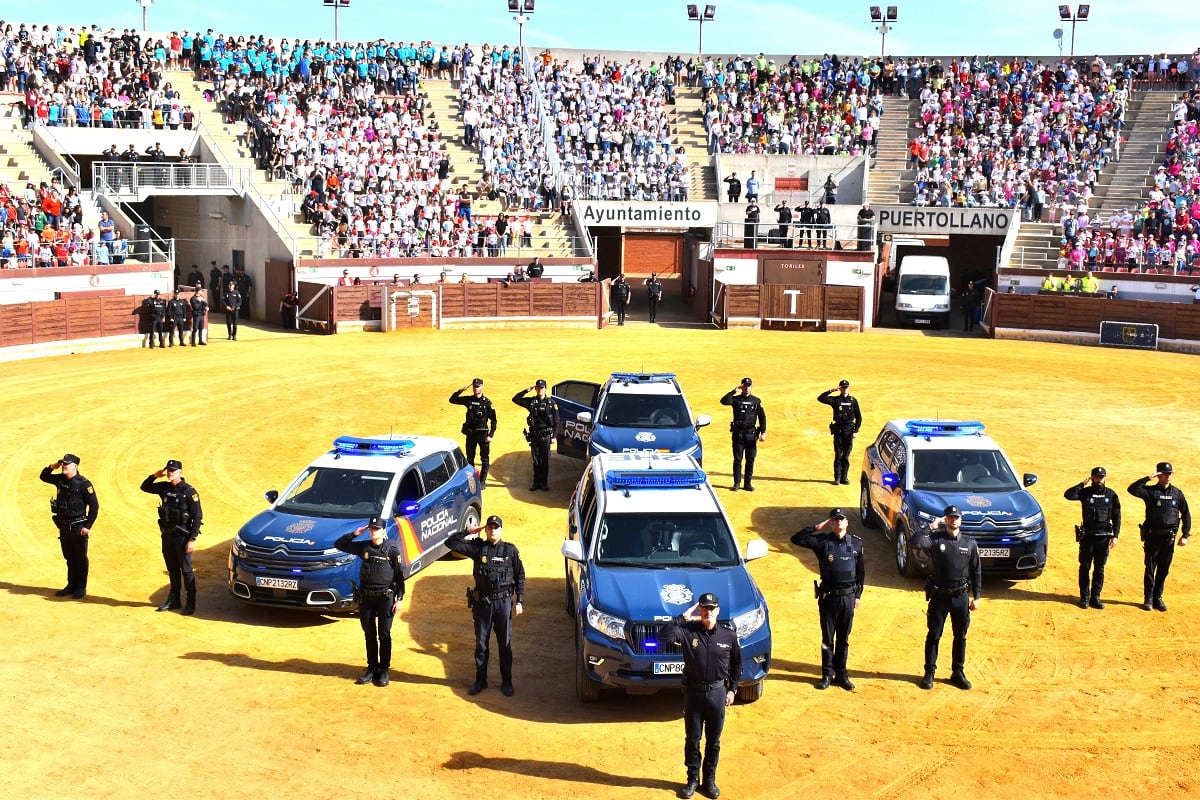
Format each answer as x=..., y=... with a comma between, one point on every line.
x=276, y=583
x=668, y=667
x=994, y=552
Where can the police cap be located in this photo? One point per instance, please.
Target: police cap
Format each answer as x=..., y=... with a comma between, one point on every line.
x=173, y=465
x=70, y=458
x=1099, y=472
x=495, y=522
x=156, y=293
x=376, y=523
x=843, y=384
x=709, y=600
x=747, y=382
x=837, y=513
x=539, y=384
x=477, y=382
x=951, y=511
x=1165, y=466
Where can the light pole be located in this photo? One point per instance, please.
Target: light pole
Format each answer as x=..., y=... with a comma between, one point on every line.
x=1080, y=14
x=696, y=15
x=145, y=4
x=878, y=14
x=335, y=5
x=523, y=10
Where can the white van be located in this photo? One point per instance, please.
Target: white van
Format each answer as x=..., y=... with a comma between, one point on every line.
x=923, y=291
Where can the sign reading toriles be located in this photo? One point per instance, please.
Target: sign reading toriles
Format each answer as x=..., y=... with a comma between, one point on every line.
x=981, y=221
x=647, y=215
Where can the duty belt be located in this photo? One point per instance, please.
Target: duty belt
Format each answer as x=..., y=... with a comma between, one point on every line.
x=842, y=592
x=1106, y=532
x=704, y=687
x=1160, y=531
x=953, y=591
x=501, y=595
x=374, y=593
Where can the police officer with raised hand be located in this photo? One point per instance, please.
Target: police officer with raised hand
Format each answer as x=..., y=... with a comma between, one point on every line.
x=479, y=426
x=380, y=590
x=540, y=422
x=1097, y=535
x=840, y=558
x=748, y=428
x=177, y=311
x=74, y=510
x=620, y=293
x=712, y=665
x=1166, y=510
x=847, y=419
x=952, y=590
x=179, y=520
x=499, y=574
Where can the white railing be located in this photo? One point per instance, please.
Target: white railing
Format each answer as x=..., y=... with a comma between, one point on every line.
x=135, y=178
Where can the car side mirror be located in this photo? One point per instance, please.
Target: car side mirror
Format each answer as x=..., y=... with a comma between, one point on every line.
x=585, y=417
x=572, y=549
x=272, y=496
x=407, y=508
x=756, y=548
x=1029, y=479
x=891, y=480
x=702, y=420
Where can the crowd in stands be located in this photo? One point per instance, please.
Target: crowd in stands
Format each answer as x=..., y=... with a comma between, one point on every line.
x=42, y=226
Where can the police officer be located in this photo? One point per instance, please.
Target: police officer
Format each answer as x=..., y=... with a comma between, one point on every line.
x=233, y=306
x=847, y=419
x=479, y=426
x=287, y=310
x=1097, y=535
x=74, y=510
x=748, y=428
x=620, y=297
x=823, y=222
x=784, y=217
x=712, y=665
x=177, y=311
x=199, y=308
x=179, y=520
x=750, y=226
x=380, y=590
x=540, y=422
x=1166, y=509
x=214, y=283
x=840, y=558
x=807, y=217
x=654, y=290
x=499, y=574
x=952, y=589
x=156, y=309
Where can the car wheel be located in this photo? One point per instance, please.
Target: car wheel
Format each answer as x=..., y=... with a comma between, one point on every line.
x=866, y=514
x=586, y=689
x=569, y=599
x=470, y=519
x=904, y=563
x=748, y=694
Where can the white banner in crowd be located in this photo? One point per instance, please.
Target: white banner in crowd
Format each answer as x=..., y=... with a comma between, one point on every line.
x=633, y=214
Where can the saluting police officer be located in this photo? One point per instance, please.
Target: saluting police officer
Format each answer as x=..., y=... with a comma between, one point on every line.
x=199, y=312
x=479, y=426
x=540, y=422
x=74, y=510
x=847, y=419
x=177, y=311
x=179, y=520
x=712, y=666
x=843, y=571
x=1097, y=535
x=1166, y=509
x=952, y=589
x=499, y=574
x=748, y=428
x=380, y=590
x=620, y=293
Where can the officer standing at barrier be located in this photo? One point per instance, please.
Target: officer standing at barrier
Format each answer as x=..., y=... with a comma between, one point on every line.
x=620, y=297
x=1097, y=535
x=233, y=306
x=177, y=311
x=840, y=558
x=380, y=590
x=179, y=520
x=1166, y=510
x=654, y=290
x=479, y=426
x=784, y=217
x=74, y=510
x=499, y=574
x=712, y=665
x=540, y=422
x=748, y=428
x=823, y=222
x=156, y=309
x=952, y=589
x=199, y=308
x=847, y=419
x=750, y=226
x=807, y=216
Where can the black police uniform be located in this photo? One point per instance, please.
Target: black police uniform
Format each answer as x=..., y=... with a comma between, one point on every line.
x=1166, y=510
x=847, y=419
x=179, y=520
x=823, y=221
x=380, y=584
x=199, y=308
x=233, y=307
x=956, y=578
x=73, y=508
x=479, y=426
x=215, y=287
x=177, y=311
x=712, y=666
x=195, y=277
x=1101, y=527
x=620, y=298
x=156, y=309
x=287, y=310
x=750, y=227
x=499, y=574
x=654, y=290
x=782, y=236
x=749, y=421
x=807, y=217
x=843, y=572
x=540, y=422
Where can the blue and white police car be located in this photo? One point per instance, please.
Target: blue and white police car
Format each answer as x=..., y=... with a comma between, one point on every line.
x=632, y=412
x=646, y=536
x=422, y=485
x=915, y=468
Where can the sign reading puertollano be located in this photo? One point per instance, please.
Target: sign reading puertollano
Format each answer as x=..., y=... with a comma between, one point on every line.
x=632, y=214
x=934, y=220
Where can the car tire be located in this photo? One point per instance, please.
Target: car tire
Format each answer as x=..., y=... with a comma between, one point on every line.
x=470, y=519
x=586, y=689
x=866, y=514
x=904, y=560
x=751, y=693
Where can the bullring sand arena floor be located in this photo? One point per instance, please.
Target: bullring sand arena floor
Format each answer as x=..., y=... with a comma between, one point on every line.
x=104, y=698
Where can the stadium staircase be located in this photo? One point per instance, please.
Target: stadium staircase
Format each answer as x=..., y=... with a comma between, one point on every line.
x=688, y=126
x=891, y=178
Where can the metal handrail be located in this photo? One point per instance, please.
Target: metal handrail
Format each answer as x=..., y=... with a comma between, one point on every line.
x=798, y=236
x=127, y=177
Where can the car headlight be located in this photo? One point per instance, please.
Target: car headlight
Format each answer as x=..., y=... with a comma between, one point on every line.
x=905, y=305
x=1033, y=524
x=610, y=626
x=691, y=451
x=239, y=547
x=748, y=623
x=599, y=448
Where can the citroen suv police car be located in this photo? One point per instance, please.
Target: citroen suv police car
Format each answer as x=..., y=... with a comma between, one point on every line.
x=422, y=485
x=646, y=536
x=632, y=412
x=915, y=468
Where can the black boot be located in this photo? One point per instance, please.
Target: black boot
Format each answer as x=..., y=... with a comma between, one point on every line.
x=689, y=788
x=366, y=677
x=927, y=681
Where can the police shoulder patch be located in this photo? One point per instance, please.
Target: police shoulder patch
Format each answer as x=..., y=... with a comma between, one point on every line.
x=90, y=490
x=195, y=497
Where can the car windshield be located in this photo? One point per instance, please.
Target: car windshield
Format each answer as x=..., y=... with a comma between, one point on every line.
x=962, y=471
x=333, y=492
x=666, y=540
x=922, y=284
x=644, y=411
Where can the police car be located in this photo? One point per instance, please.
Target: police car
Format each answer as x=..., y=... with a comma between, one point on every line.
x=646, y=536
x=632, y=412
x=915, y=468
x=422, y=485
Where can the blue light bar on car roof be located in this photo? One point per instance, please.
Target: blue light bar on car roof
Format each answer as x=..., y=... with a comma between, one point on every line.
x=657, y=479
x=643, y=377
x=357, y=446
x=930, y=427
